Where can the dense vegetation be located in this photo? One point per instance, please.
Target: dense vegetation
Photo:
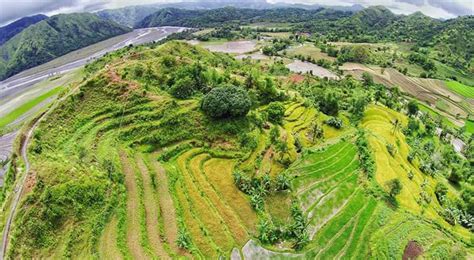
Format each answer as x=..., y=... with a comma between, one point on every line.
x=53, y=37
x=444, y=41
x=168, y=150
x=12, y=29
x=247, y=154
x=127, y=16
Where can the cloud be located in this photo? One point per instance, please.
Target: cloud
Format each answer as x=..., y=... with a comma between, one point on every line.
x=465, y=7
x=413, y=2
x=14, y=9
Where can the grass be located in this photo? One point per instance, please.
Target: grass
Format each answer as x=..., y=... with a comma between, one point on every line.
x=377, y=121
x=434, y=114
x=135, y=237
x=152, y=211
x=27, y=106
x=192, y=192
x=469, y=126
x=463, y=90
x=311, y=51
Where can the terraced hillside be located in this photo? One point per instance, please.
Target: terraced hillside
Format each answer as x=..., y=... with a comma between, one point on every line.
x=151, y=157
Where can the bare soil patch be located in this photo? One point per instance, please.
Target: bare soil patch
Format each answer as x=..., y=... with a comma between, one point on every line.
x=428, y=90
x=133, y=212
x=307, y=67
x=166, y=205
x=152, y=211
x=412, y=251
x=108, y=242
x=239, y=47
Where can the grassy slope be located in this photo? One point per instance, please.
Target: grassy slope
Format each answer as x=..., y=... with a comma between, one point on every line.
x=461, y=89
x=113, y=115
x=378, y=122
x=27, y=106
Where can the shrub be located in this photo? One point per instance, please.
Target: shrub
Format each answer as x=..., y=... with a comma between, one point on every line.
x=367, y=79
x=391, y=149
x=183, y=88
x=440, y=191
x=329, y=104
x=365, y=155
x=183, y=240
x=334, y=122
x=223, y=102
x=282, y=182
x=412, y=107
x=395, y=187
x=275, y=112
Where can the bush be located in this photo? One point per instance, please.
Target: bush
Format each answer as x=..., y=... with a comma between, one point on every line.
x=391, y=149
x=334, y=122
x=412, y=107
x=365, y=155
x=440, y=191
x=224, y=102
x=183, y=88
x=275, y=112
x=329, y=104
x=395, y=187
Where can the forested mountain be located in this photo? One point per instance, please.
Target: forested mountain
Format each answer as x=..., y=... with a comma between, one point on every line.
x=215, y=17
x=450, y=39
x=127, y=16
x=10, y=30
x=52, y=38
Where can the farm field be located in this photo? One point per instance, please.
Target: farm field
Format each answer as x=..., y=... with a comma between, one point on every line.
x=428, y=90
x=461, y=89
x=309, y=50
x=14, y=115
x=183, y=150
x=235, y=47
x=378, y=121
x=307, y=67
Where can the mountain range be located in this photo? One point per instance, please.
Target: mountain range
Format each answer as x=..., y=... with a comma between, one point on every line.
x=10, y=30
x=53, y=37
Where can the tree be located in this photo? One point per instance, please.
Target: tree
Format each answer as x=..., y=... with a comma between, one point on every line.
x=395, y=187
x=223, y=102
x=413, y=108
x=367, y=79
x=456, y=175
x=183, y=88
x=275, y=112
x=282, y=182
x=316, y=131
x=329, y=104
x=396, y=125
x=440, y=191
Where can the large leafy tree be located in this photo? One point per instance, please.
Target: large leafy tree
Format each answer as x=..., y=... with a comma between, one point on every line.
x=225, y=102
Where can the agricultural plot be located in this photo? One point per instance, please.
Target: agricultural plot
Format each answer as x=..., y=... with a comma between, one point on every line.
x=461, y=89
x=215, y=214
x=17, y=113
x=236, y=47
x=378, y=121
x=339, y=213
x=429, y=90
x=156, y=178
x=308, y=50
x=307, y=67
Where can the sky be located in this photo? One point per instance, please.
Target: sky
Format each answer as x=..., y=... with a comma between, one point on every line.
x=11, y=10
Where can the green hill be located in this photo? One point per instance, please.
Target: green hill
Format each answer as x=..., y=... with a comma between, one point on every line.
x=53, y=37
x=127, y=16
x=168, y=151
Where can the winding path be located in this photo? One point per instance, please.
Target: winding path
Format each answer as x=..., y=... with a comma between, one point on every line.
x=19, y=187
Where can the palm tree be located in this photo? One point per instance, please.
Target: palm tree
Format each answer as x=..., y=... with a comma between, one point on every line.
x=396, y=125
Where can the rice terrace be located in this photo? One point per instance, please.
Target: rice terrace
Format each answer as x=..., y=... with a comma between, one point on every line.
x=237, y=130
